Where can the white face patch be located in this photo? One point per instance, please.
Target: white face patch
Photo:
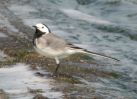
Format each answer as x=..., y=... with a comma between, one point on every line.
x=42, y=28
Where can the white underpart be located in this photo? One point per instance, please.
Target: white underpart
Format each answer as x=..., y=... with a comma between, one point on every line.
x=56, y=54
x=42, y=28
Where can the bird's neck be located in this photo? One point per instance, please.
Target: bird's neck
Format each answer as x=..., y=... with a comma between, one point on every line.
x=37, y=34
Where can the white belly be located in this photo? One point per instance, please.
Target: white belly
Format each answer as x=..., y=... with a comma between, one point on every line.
x=48, y=52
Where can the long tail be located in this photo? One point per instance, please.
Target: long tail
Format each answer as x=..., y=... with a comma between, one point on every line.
x=94, y=53
x=89, y=52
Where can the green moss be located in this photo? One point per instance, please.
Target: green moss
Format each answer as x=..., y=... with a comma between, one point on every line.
x=8, y=61
x=114, y=74
x=67, y=78
x=17, y=55
x=40, y=96
x=35, y=91
x=79, y=56
x=77, y=70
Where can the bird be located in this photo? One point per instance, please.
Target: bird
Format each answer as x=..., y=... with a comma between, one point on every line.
x=50, y=45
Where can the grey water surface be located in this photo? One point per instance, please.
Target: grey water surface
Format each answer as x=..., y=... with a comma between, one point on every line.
x=104, y=26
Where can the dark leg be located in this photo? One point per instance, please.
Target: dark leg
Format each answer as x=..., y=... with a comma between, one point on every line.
x=55, y=72
x=58, y=64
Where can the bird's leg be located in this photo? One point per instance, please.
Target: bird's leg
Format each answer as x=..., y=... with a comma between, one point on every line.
x=58, y=64
x=55, y=72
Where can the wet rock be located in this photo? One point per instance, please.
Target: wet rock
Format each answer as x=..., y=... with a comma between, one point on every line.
x=39, y=96
x=3, y=95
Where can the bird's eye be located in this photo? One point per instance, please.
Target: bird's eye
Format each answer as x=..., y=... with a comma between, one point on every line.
x=42, y=27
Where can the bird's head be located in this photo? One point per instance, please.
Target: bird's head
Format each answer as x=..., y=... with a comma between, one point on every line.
x=42, y=28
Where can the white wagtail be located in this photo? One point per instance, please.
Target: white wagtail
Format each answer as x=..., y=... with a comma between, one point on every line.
x=48, y=44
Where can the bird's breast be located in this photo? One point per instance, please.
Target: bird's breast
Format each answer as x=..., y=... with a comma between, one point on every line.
x=49, y=52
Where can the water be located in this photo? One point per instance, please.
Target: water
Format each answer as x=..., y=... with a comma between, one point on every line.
x=19, y=79
x=105, y=26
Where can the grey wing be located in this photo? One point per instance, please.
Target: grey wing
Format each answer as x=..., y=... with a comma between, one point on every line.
x=59, y=43
x=55, y=42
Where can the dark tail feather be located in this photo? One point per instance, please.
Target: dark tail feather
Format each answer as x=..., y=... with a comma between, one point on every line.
x=94, y=53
